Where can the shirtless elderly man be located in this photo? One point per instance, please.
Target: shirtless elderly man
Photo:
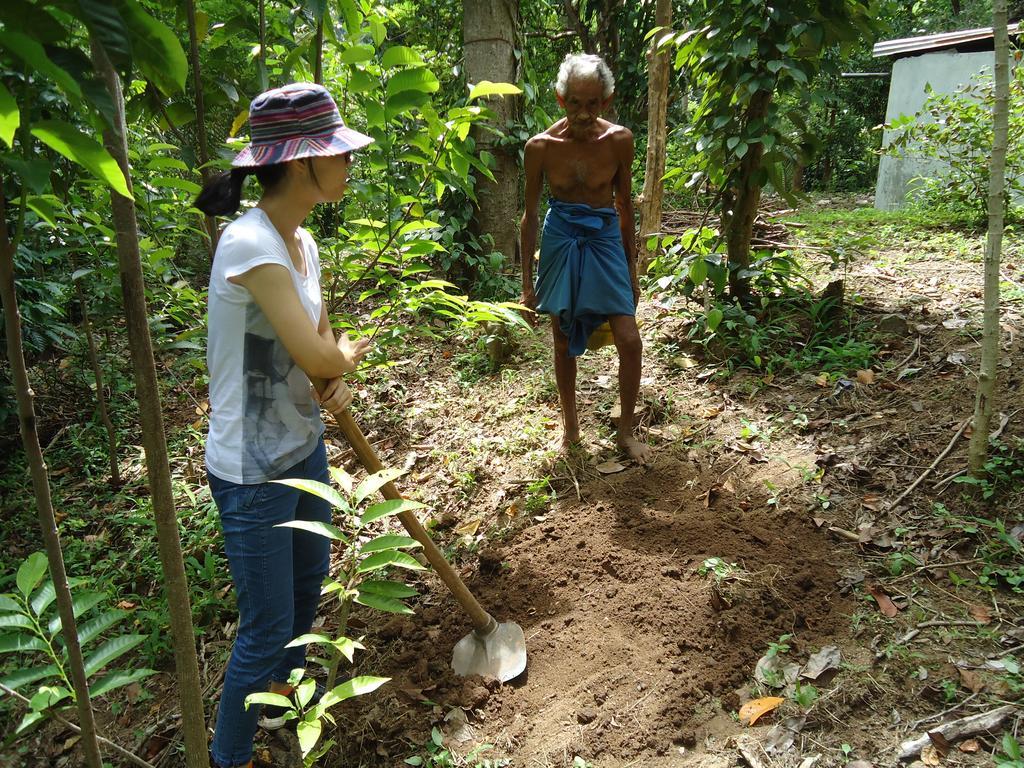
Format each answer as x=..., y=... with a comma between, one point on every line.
x=587, y=271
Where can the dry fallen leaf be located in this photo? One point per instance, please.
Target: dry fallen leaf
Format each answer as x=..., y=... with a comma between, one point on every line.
x=972, y=681
x=822, y=380
x=930, y=756
x=754, y=710
x=609, y=467
x=980, y=614
x=872, y=501
x=469, y=528
x=866, y=376
x=885, y=603
x=825, y=660
x=970, y=746
x=126, y=605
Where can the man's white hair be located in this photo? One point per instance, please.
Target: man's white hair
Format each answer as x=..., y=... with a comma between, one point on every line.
x=584, y=66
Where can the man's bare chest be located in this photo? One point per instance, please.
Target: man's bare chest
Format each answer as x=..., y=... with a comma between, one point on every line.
x=576, y=165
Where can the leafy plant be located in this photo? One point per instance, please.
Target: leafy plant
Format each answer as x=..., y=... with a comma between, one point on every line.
x=363, y=557
x=1011, y=756
x=33, y=631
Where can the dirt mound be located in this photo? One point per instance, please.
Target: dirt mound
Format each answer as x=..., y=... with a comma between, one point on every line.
x=633, y=649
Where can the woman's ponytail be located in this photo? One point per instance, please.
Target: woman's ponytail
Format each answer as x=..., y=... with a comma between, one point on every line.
x=222, y=195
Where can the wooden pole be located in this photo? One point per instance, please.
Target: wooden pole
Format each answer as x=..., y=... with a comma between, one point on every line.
x=977, y=453
x=41, y=488
x=154, y=440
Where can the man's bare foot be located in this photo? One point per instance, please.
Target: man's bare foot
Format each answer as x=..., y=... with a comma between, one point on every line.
x=637, y=451
x=567, y=443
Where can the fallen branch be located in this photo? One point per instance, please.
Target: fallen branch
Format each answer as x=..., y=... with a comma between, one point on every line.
x=956, y=729
x=931, y=468
x=119, y=750
x=908, y=358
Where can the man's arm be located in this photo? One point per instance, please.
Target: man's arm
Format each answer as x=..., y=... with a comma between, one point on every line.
x=624, y=203
x=534, y=169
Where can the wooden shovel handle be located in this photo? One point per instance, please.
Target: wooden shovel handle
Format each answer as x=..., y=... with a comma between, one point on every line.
x=368, y=458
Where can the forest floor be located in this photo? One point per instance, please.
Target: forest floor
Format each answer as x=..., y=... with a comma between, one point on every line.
x=759, y=554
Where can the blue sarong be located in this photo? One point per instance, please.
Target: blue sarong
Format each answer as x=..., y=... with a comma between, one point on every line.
x=583, y=276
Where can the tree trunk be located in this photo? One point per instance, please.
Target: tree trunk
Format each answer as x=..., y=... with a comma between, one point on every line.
x=657, y=136
x=318, y=52
x=153, y=439
x=41, y=487
x=101, y=395
x=978, y=451
x=489, y=33
x=747, y=198
x=261, y=61
x=197, y=80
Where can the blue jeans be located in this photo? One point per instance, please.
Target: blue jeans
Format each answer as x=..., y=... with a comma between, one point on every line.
x=277, y=574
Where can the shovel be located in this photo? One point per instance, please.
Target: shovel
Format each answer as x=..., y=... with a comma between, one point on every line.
x=491, y=649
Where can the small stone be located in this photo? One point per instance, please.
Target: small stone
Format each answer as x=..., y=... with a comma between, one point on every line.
x=895, y=325
x=586, y=715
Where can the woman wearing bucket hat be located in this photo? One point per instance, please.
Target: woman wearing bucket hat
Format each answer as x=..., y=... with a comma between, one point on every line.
x=268, y=335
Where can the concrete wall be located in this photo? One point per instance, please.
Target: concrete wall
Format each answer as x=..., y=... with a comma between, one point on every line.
x=945, y=72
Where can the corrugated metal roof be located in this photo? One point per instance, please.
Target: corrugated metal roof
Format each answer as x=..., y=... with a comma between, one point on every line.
x=935, y=42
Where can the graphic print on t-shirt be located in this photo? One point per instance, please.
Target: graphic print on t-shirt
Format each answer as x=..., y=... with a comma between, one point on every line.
x=279, y=417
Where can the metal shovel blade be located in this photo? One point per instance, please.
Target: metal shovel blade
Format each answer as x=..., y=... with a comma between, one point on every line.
x=498, y=652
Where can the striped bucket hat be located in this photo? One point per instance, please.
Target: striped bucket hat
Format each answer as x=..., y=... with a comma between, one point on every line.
x=297, y=120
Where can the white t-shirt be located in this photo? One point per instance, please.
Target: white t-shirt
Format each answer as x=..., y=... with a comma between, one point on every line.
x=263, y=419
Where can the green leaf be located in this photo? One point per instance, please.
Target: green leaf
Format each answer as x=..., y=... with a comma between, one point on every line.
x=8, y=603
x=21, y=643
x=35, y=173
x=16, y=620
x=382, y=603
x=375, y=482
x=388, y=588
x=487, y=88
x=47, y=696
x=315, y=526
x=118, y=679
x=308, y=732
x=269, y=699
x=388, y=541
x=10, y=117
x=309, y=638
x=714, y=318
x=357, y=686
x=156, y=48
x=356, y=54
x=389, y=507
x=415, y=79
x=106, y=24
x=378, y=31
x=80, y=604
x=698, y=270
x=324, y=491
x=30, y=719
x=79, y=148
x=31, y=572
x=25, y=676
x=403, y=102
x=45, y=207
x=400, y=56
x=392, y=557
x=110, y=650
x=91, y=629
x=32, y=53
